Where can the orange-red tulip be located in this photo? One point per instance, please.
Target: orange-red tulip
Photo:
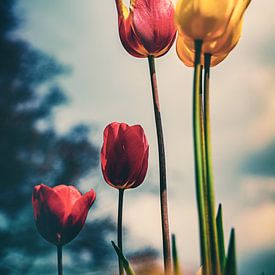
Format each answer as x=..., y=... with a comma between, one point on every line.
x=124, y=155
x=147, y=27
x=60, y=212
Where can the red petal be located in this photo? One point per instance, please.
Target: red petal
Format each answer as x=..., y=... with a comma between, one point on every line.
x=78, y=215
x=69, y=195
x=111, y=149
x=129, y=39
x=153, y=24
x=122, y=155
x=144, y=167
x=49, y=212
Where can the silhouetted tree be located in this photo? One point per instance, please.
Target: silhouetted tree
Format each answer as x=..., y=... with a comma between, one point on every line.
x=32, y=152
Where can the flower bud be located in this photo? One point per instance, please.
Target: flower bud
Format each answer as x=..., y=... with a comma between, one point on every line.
x=60, y=212
x=147, y=27
x=124, y=155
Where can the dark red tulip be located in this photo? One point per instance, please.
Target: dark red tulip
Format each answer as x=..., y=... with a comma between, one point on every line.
x=60, y=212
x=146, y=27
x=124, y=155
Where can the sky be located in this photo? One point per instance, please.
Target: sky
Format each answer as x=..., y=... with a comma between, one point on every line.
x=107, y=84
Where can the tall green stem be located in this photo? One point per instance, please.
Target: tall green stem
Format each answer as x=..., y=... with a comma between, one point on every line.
x=59, y=260
x=162, y=171
x=214, y=249
x=119, y=227
x=198, y=155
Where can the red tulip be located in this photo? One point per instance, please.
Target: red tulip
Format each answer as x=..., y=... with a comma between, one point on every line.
x=60, y=212
x=147, y=27
x=124, y=155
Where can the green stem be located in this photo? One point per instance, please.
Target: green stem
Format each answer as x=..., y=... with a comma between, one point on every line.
x=204, y=174
x=162, y=171
x=119, y=227
x=175, y=256
x=59, y=260
x=198, y=155
x=214, y=249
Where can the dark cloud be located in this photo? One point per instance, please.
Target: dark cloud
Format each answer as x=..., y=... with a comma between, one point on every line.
x=262, y=162
x=259, y=263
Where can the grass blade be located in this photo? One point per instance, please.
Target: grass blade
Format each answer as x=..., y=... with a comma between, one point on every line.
x=219, y=222
x=127, y=267
x=231, y=264
x=175, y=256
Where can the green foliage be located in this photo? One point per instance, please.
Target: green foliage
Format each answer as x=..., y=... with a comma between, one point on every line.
x=175, y=256
x=231, y=265
x=219, y=222
x=127, y=267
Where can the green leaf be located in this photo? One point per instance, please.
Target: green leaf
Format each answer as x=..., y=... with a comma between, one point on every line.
x=219, y=222
x=231, y=264
x=175, y=256
x=127, y=267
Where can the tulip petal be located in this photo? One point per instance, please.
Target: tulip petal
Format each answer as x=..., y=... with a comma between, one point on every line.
x=136, y=150
x=144, y=167
x=77, y=217
x=122, y=10
x=49, y=212
x=205, y=20
x=122, y=154
x=184, y=53
x=129, y=39
x=69, y=195
x=153, y=24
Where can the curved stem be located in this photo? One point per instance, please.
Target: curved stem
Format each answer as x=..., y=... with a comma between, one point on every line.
x=59, y=260
x=214, y=249
x=162, y=171
x=198, y=155
x=119, y=227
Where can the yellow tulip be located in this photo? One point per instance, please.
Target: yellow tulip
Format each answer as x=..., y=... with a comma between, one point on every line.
x=231, y=37
x=219, y=47
x=187, y=55
x=203, y=19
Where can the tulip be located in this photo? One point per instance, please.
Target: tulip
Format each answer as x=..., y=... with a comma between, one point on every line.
x=203, y=19
x=187, y=56
x=147, y=27
x=208, y=31
x=60, y=212
x=124, y=155
x=124, y=163
x=218, y=47
x=230, y=38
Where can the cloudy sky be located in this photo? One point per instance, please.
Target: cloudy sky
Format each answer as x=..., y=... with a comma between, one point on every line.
x=107, y=84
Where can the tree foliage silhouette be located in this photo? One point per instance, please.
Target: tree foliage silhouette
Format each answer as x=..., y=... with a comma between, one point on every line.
x=32, y=152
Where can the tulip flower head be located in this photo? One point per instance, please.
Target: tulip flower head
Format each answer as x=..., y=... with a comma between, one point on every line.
x=203, y=19
x=60, y=212
x=186, y=53
x=218, y=47
x=124, y=155
x=147, y=27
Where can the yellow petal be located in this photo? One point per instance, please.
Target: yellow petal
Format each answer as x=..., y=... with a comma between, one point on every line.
x=185, y=51
x=122, y=9
x=203, y=19
x=226, y=43
x=230, y=38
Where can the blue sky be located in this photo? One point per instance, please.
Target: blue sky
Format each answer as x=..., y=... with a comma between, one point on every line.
x=107, y=84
